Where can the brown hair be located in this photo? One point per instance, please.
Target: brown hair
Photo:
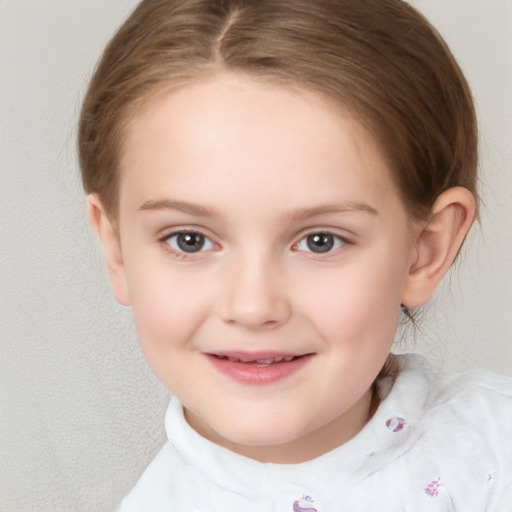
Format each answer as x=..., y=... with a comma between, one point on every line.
x=380, y=59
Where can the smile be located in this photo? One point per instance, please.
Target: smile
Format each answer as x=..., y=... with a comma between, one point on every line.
x=257, y=368
x=260, y=362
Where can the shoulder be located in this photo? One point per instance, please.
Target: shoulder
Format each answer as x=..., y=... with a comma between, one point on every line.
x=465, y=391
x=151, y=492
x=178, y=478
x=473, y=410
x=481, y=400
x=451, y=405
x=465, y=433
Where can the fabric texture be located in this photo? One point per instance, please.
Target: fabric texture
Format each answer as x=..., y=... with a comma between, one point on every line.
x=436, y=443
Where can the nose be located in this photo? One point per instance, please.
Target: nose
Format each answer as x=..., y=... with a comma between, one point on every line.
x=254, y=295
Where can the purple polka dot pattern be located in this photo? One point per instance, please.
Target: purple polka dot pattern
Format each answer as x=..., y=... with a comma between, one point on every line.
x=304, y=505
x=395, y=424
x=433, y=488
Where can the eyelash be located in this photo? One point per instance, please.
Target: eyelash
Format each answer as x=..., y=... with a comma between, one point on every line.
x=338, y=242
x=167, y=241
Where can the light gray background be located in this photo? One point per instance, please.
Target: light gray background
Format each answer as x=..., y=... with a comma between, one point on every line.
x=80, y=413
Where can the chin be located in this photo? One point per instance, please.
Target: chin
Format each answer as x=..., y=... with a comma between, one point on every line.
x=260, y=434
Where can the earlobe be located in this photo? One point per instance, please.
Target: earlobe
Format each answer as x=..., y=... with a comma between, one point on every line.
x=109, y=239
x=438, y=243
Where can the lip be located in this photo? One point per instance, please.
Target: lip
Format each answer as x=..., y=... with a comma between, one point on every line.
x=257, y=368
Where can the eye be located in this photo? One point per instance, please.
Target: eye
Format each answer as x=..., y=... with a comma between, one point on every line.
x=320, y=243
x=189, y=242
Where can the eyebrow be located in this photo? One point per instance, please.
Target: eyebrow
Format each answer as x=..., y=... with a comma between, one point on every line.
x=306, y=213
x=182, y=206
x=296, y=215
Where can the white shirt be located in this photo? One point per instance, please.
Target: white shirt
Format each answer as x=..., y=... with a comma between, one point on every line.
x=436, y=443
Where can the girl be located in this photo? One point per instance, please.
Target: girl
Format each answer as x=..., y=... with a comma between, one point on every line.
x=274, y=183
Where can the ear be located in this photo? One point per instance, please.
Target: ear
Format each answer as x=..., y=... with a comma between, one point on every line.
x=109, y=238
x=438, y=243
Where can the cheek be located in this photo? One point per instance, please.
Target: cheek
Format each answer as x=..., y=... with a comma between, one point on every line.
x=358, y=305
x=168, y=307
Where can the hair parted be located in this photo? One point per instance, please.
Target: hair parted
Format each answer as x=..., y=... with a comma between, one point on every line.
x=380, y=59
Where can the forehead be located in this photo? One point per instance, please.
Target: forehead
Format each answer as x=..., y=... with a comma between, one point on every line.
x=245, y=139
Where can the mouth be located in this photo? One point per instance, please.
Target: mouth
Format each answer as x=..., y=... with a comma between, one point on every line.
x=257, y=368
x=257, y=361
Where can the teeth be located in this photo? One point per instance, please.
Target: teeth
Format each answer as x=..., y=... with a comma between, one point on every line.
x=268, y=361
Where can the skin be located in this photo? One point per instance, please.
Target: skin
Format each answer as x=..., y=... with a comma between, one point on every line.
x=256, y=169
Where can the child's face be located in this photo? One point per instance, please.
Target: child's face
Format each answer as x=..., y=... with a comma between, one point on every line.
x=256, y=224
